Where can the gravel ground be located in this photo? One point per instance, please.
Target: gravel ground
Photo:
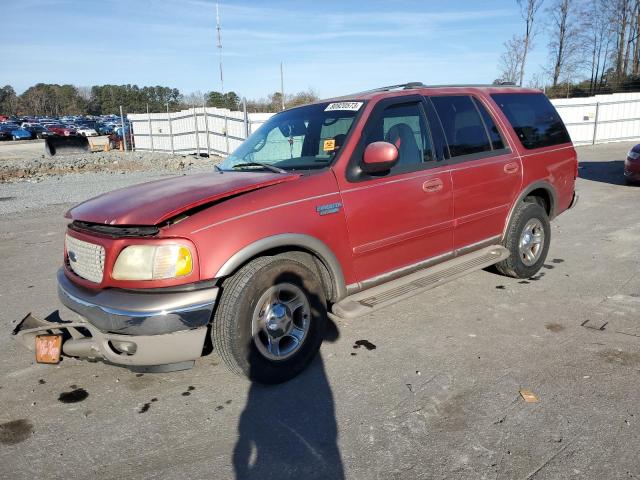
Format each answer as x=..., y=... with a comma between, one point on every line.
x=28, y=181
x=437, y=398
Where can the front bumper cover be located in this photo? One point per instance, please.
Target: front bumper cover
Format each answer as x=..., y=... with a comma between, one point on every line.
x=175, y=350
x=166, y=328
x=138, y=313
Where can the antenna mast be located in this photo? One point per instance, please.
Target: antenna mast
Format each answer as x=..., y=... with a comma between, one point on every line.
x=219, y=44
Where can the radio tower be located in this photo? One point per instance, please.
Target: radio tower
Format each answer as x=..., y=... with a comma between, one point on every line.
x=219, y=45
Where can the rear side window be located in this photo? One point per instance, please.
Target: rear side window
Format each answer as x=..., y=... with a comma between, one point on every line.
x=492, y=129
x=533, y=118
x=462, y=124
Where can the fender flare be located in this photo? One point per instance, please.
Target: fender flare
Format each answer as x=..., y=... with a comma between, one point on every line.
x=540, y=184
x=296, y=240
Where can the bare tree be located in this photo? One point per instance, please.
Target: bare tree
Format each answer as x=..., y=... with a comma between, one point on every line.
x=564, y=36
x=196, y=98
x=510, y=62
x=635, y=62
x=84, y=92
x=528, y=10
x=621, y=14
x=536, y=81
x=598, y=38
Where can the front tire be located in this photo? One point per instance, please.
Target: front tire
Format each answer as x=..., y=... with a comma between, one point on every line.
x=528, y=238
x=271, y=318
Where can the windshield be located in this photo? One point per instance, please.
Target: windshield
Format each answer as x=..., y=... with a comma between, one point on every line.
x=302, y=138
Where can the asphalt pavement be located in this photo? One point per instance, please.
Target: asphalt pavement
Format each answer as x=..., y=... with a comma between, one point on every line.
x=434, y=392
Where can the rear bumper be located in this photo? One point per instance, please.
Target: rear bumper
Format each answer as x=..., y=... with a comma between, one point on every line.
x=574, y=200
x=138, y=313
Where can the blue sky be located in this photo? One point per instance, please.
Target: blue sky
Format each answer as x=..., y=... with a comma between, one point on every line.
x=334, y=47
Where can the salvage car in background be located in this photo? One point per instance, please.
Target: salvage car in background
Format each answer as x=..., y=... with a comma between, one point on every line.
x=632, y=166
x=19, y=133
x=86, y=131
x=5, y=132
x=38, y=131
x=59, y=129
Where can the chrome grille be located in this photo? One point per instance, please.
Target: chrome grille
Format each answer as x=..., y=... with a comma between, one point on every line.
x=85, y=259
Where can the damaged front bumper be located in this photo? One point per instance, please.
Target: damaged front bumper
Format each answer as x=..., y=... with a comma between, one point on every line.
x=128, y=328
x=83, y=340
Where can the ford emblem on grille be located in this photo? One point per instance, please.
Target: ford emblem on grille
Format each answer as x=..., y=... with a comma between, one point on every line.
x=72, y=256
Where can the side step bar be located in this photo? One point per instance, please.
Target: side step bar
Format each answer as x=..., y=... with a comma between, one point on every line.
x=378, y=297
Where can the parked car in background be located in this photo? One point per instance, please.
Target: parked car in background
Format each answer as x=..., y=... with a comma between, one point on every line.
x=59, y=129
x=104, y=129
x=86, y=131
x=20, y=133
x=632, y=166
x=5, y=132
x=39, y=131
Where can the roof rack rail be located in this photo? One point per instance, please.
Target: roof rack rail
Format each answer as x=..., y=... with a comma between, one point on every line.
x=410, y=85
x=472, y=85
x=400, y=86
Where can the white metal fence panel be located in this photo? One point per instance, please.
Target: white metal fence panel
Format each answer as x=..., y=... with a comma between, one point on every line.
x=218, y=131
x=215, y=131
x=601, y=119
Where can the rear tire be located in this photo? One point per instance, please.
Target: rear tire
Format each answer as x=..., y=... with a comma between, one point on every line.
x=271, y=318
x=528, y=238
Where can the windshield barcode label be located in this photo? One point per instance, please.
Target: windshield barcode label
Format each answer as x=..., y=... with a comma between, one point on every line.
x=350, y=106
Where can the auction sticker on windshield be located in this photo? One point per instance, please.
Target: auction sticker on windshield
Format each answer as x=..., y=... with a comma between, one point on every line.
x=350, y=106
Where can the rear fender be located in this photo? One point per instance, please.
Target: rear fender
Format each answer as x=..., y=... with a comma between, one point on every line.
x=525, y=193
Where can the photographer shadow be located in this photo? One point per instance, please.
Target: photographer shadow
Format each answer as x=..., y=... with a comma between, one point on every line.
x=289, y=431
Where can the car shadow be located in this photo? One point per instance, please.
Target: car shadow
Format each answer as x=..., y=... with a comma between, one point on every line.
x=289, y=431
x=611, y=172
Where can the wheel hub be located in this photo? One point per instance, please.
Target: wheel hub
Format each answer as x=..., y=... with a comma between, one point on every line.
x=278, y=320
x=281, y=321
x=531, y=242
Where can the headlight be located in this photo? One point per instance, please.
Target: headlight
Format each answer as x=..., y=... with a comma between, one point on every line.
x=633, y=155
x=147, y=262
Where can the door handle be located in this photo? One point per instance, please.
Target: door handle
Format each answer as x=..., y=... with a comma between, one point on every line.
x=511, y=168
x=433, y=185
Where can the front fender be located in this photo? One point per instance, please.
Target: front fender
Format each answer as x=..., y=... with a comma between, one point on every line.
x=295, y=240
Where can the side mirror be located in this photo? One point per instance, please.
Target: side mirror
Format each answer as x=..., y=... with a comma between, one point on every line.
x=379, y=157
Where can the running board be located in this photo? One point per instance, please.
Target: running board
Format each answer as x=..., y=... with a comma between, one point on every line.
x=378, y=297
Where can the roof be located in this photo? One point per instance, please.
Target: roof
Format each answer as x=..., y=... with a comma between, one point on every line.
x=420, y=88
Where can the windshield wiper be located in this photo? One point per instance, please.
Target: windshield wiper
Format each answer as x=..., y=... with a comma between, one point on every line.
x=266, y=166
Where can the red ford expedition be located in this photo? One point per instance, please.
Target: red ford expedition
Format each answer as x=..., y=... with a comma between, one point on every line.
x=336, y=208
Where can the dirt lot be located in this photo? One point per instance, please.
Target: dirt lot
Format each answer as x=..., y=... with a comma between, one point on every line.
x=436, y=398
x=27, y=160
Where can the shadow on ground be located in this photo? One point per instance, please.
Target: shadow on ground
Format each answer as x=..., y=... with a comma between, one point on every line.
x=289, y=430
x=611, y=172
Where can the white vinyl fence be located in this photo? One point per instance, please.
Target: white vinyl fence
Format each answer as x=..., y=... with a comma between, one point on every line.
x=601, y=119
x=200, y=130
x=218, y=131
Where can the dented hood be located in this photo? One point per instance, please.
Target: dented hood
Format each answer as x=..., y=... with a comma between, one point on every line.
x=155, y=202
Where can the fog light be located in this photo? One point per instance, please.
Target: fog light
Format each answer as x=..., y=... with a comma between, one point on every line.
x=128, y=348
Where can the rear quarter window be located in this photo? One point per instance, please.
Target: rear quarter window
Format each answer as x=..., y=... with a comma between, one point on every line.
x=533, y=118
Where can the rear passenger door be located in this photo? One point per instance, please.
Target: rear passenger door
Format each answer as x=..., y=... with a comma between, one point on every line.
x=486, y=175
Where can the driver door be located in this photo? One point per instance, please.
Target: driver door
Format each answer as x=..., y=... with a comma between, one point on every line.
x=404, y=216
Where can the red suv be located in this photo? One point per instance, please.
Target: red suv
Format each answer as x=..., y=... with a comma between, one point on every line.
x=336, y=208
